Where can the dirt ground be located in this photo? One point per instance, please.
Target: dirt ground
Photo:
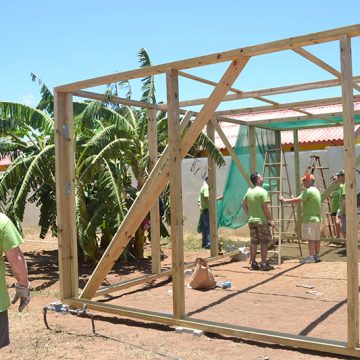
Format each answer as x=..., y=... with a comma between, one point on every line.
x=298, y=299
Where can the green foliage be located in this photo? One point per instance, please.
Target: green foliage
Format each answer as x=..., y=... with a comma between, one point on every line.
x=111, y=143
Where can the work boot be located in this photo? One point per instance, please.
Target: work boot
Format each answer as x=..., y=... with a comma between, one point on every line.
x=266, y=267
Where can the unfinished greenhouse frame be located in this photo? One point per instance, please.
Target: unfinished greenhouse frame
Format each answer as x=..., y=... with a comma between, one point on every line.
x=168, y=168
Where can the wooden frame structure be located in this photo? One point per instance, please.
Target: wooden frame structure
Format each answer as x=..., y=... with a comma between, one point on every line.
x=168, y=168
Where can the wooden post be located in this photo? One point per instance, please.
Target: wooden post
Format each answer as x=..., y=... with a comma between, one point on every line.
x=154, y=211
x=350, y=197
x=214, y=248
x=297, y=182
x=252, y=149
x=176, y=209
x=65, y=195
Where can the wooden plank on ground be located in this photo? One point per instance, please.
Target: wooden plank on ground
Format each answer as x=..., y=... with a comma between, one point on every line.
x=298, y=341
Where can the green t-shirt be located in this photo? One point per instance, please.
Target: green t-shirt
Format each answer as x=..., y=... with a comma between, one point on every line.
x=204, y=193
x=9, y=239
x=255, y=198
x=311, y=199
x=335, y=199
x=342, y=196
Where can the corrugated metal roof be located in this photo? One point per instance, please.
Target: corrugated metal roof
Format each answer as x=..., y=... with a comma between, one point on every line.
x=305, y=136
x=279, y=114
x=314, y=135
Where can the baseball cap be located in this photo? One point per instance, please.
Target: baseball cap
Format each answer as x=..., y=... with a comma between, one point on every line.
x=308, y=177
x=341, y=173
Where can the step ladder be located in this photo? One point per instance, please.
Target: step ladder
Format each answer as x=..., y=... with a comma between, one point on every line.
x=314, y=167
x=275, y=173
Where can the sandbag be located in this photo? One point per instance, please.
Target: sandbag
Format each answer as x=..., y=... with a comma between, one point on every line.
x=202, y=278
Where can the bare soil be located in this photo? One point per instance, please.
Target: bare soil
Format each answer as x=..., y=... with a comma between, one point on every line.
x=298, y=299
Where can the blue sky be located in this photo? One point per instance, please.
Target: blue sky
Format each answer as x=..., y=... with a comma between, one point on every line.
x=66, y=41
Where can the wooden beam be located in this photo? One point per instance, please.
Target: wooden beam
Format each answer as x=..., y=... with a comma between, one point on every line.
x=292, y=105
x=300, y=118
x=117, y=100
x=297, y=182
x=156, y=182
x=252, y=149
x=350, y=198
x=232, y=152
x=154, y=211
x=275, y=46
x=304, y=342
x=65, y=195
x=307, y=55
x=213, y=83
x=214, y=248
x=270, y=91
x=176, y=206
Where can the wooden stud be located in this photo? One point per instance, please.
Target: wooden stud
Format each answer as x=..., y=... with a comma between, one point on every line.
x=350, y=197
x=117, y=100
x=252, y=149
x=154, y=211
x=308, y=103
x=270, y=91
x=176, y=207
x=297, y=182
x=65, y=195
x=214, y=247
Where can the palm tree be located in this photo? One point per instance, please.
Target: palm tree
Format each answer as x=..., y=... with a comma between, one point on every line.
x=111, y=143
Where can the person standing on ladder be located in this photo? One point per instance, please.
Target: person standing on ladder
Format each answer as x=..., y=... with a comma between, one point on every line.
x=311, y=211
x=256, y=206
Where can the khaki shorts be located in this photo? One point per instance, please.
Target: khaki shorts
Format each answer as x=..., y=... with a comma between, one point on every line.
x=4, y=329
x=259, y=233
x=311, y=231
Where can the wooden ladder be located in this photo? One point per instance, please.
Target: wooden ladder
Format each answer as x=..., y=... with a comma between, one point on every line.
x=314, y=167
x=275, y=173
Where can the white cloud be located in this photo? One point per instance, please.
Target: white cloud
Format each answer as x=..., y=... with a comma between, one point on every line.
x=28, y=99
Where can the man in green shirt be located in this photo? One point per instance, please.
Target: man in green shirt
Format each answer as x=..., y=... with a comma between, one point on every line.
x=10, y=239
x=336, y=200
x=341, y=215
x=256, y=206
x=311, y=211
x=203, y=202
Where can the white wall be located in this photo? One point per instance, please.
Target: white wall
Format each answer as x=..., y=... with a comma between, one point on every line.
x=193, y=172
